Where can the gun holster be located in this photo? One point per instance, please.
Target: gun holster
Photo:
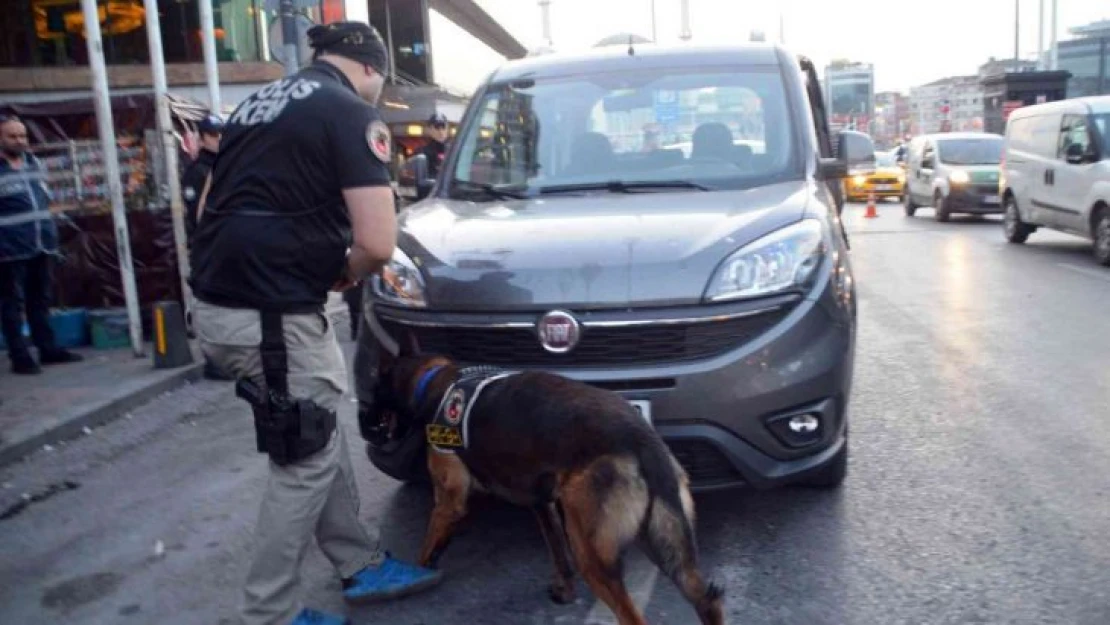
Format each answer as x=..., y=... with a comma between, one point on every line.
x=287, y=428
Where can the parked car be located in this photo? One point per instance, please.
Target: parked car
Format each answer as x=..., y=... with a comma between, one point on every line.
x=955, y=172
x=886, y=180
x=712, y=290
x=1057, y=171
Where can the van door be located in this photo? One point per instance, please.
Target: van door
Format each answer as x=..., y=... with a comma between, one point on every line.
x=1071, y=178
x=1040, y=170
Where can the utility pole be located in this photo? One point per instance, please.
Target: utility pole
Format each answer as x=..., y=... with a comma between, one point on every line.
x=169, y=144
x=289, y=37
x=107, y=132
x=208, y=42
x=1040, y=36
x=1053, y=57
x=545, y=17
x=685, y=34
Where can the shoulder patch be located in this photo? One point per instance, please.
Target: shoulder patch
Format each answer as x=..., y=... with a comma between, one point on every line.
x=379, y=139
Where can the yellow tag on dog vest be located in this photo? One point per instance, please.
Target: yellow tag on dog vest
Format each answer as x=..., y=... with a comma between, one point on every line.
x=444, y=436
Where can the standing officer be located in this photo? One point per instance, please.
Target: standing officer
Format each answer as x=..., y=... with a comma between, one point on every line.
x=28, y=238
x=196, y=174
x=437, y=147
x=300, y=203
x=193, y=182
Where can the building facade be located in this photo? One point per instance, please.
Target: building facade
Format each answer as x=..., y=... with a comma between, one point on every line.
x=43, y=53
x=892, y=118
x=947, y=105
x=1087, y=57
x=850, y=95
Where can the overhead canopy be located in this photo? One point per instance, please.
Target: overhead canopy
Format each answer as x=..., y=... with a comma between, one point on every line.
x=474, y=20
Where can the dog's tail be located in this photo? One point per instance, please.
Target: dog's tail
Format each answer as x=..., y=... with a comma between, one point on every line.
x=668, y=530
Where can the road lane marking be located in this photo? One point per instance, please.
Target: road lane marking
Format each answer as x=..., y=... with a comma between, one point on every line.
x=640, y=582
x=1101, y=274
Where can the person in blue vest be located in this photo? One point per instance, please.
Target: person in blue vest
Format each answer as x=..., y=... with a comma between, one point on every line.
x=28, y=238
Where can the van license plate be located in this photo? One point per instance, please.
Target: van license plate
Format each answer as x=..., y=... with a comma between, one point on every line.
x=643, y=407
x=991, y=199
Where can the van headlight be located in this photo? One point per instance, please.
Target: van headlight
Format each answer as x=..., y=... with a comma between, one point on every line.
x=959, y=177
x=785, y=259
x=400, y=282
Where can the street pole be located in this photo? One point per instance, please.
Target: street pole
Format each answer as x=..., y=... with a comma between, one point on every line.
x=169, y=144
x=1040, y=36
x=208, y=42
x=1017, y=32
x=685, y=35
x=654, y=37
x=1052, y=54
x=545, y=17
x=107, y=133
x=389, y=44
x=289, y=37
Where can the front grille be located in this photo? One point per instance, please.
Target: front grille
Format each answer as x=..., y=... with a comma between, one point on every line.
x=704, y=463
x=598, y=346
x=884, y=181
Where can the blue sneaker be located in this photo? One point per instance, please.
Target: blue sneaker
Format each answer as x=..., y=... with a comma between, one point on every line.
x=309, y=616
x=389, y=580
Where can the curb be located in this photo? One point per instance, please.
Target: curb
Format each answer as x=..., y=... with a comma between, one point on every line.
x=100, y=413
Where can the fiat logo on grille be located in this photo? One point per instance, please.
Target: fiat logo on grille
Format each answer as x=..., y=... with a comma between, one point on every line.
x=558, y=331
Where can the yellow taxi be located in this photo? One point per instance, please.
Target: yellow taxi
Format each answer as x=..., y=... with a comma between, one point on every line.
x=887, y=180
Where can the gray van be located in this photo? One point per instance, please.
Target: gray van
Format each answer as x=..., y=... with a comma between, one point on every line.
x=954, y=172
x=711, y=287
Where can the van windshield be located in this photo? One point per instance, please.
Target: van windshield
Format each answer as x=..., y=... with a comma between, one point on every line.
x=986, y=151
x=711, y=129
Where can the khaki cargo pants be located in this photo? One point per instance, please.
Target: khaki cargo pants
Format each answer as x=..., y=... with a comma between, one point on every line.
x=314, y=497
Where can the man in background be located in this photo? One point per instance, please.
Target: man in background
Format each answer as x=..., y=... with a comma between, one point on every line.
x=437, y=147
x=28, y=238
x=196, y=174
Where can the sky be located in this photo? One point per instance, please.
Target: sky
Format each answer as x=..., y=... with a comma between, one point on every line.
x=910, y=43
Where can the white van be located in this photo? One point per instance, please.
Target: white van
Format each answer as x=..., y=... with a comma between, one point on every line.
x=1056, y=171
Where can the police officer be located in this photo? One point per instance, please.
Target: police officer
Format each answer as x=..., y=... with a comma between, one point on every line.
x=300, y=203
x=28, y=238
x=196, y=174
x=437, y=146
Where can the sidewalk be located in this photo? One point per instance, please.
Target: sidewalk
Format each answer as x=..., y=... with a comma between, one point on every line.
x=42, y=409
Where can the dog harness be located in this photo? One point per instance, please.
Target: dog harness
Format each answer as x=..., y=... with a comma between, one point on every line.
x=448, y=431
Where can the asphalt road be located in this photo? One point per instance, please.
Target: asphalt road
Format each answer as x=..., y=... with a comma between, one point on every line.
x=979, y=486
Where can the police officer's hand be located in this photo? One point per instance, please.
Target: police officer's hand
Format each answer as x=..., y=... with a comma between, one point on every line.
x=344, y=283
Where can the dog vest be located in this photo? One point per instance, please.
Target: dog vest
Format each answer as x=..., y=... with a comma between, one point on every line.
x=448, y=430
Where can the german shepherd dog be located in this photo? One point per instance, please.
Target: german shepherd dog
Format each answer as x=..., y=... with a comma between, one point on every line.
x=553, y=444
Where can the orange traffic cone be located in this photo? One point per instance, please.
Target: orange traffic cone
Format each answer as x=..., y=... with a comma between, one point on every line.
x=871, y=212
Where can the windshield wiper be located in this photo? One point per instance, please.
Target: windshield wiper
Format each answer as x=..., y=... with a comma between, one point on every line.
x=622, y=186
x=499, y=191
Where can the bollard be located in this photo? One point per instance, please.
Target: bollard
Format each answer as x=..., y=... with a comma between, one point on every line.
x=171, y=340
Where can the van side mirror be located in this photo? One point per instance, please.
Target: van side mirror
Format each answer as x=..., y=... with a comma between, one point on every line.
x=856, y=150
x=1075, y=154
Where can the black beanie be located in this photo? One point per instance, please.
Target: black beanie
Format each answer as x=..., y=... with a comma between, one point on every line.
x=357, y=41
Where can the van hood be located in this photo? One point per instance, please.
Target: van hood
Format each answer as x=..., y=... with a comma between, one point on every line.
x=593, y=251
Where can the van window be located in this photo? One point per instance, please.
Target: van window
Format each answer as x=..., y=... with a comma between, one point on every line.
x=1073, y=132
x=1102, y=125
x=985, y=151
